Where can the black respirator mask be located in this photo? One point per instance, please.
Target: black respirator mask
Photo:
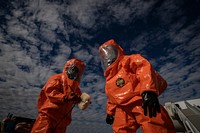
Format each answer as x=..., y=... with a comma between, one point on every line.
x=72, y=72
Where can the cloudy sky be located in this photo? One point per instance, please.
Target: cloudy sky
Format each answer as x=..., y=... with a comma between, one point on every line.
x=37, y=37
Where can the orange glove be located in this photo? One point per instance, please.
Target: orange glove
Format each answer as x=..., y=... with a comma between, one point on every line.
x=72, y=97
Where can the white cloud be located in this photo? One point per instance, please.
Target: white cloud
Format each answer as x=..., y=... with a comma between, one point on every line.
x=126, y=12
x=83, y=12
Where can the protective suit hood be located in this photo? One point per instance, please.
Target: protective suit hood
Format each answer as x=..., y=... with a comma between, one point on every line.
x=74, y=63
x=110, y=53
x=73, y=82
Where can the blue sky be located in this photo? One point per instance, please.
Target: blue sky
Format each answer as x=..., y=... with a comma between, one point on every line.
x=37, y=37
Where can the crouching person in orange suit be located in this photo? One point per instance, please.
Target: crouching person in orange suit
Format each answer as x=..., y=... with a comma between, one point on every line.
x=57, y=99
x=132, y=88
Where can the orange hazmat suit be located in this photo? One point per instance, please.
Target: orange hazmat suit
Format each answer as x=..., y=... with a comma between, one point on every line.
x=127, y=78
x=57, y=97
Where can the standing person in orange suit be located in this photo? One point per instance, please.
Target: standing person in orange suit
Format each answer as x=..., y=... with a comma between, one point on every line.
x=132, y=88
x=57, y=99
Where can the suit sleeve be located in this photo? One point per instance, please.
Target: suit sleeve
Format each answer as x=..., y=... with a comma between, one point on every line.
x=162, y=83
x=53, y=91
x=78, y=91
x=146, y=74
x=110, y=108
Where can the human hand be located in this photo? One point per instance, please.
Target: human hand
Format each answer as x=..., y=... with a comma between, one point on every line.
x=150, y=102
x=109, y=119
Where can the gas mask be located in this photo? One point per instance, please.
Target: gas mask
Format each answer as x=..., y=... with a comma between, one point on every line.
x=72, y=72
x=108, y=54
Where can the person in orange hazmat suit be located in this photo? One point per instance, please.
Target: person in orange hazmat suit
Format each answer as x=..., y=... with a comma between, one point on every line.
x=57, y=99
x=132, y=88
